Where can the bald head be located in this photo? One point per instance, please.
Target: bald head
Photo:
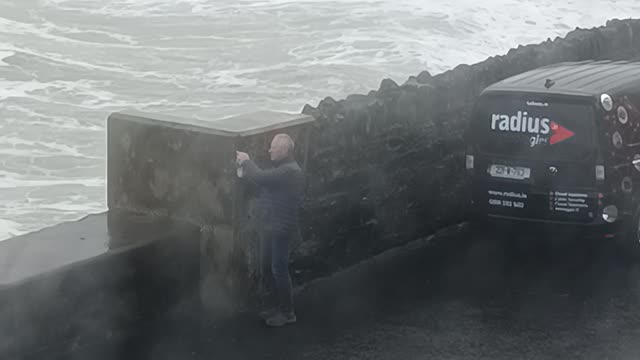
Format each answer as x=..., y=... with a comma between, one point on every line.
x=282, y=147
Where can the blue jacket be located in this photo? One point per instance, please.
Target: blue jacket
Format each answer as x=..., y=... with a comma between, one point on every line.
x=282, y=189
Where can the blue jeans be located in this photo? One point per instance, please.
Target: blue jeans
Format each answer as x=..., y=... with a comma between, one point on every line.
x=276, y=279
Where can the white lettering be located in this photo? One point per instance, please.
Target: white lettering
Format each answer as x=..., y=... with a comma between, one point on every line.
x=535, y=103
x=535, y=140
x=521, y=122
x=494, y=119
x=516, y=122
x=579, y=205
x=567, y=210
x=545, y=126
x=533, y=125
x=508, y=194
x=504, y=123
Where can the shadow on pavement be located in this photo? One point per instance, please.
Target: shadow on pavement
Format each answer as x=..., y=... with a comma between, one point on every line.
x=463, y=293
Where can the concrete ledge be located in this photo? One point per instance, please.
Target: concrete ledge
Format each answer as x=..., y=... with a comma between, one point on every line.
x=57, y=297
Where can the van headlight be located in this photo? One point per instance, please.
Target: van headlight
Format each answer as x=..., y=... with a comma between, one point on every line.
x=610, y=213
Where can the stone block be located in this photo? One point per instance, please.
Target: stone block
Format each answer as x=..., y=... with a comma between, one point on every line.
x=185, y=169
x=79, y=284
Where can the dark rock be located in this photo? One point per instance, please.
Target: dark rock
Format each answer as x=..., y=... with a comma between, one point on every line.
x=357, y=98
x=411, y=82
x=388, y=84
x=406, y=107
x=328, y=102
x=424, y=77
x=308, y=109
x=328, y=107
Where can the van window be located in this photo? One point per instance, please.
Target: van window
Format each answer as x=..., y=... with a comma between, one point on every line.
x=525, y=127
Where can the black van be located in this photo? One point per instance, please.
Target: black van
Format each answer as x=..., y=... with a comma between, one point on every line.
x=560, y=144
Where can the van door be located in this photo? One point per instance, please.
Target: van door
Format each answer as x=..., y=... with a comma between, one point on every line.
x=535, y=157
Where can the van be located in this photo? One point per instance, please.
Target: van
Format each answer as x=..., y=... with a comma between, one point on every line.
x=560, y=145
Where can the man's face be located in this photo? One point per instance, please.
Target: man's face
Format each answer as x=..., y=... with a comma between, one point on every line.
x=278, y=150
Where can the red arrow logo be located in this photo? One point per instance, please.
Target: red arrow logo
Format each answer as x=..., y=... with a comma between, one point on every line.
x=559, y=133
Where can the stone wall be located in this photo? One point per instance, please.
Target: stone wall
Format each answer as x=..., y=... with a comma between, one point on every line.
x=388, y=167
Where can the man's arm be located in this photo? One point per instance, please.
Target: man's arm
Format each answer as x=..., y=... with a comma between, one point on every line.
x=265, y=177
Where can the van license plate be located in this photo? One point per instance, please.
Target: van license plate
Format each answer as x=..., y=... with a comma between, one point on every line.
x=510, y=172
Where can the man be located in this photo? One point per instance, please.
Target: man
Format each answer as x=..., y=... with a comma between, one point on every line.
x=281, y=194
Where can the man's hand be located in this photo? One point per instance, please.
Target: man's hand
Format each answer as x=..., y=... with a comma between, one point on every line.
x=241, y=157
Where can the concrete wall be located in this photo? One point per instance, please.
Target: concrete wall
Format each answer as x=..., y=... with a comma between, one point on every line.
x=387, y=167
x=175, y=168
x=76, y=285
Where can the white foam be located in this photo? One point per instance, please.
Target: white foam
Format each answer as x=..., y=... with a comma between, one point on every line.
x=126, y=8
x=49, y=120
x=67, y=206
x=9, y=229
x=53, y=32
x=9, y=89
x=12, y=180
x=16, y=146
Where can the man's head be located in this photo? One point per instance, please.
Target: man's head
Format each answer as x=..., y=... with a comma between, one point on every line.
x=281, y=147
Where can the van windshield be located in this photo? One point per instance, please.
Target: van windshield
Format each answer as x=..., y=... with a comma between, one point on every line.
x=520, y=126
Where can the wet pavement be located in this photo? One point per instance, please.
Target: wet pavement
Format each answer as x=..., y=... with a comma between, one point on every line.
x=473, y=295
x=555, y=304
